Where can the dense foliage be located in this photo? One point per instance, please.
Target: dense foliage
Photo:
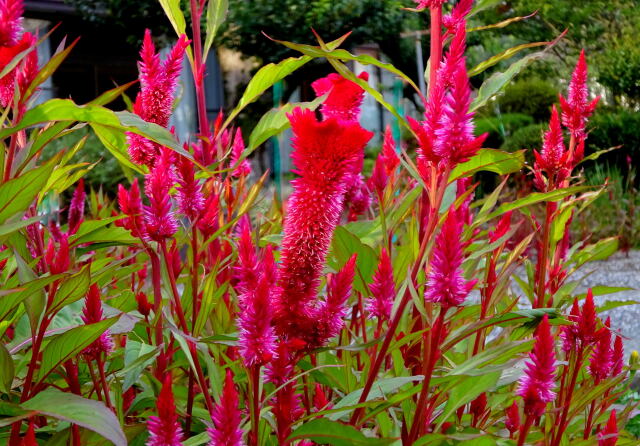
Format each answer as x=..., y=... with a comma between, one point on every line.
x=395, y=308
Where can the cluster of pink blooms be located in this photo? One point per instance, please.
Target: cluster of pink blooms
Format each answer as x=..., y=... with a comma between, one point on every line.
x=92, y=313
x=14, y=42
x=227, y=417
x=164, y=429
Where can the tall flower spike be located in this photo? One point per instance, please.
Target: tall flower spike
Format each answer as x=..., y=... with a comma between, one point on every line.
x=446, y=284
x=536, y=385
x=512, y=421
x=423, y=4
x=382, y=289
x=618, y=357
x=226, y=417
x=160, y=221
x=388, y=155
x=165, y=429
x=609, y=435
x=7, y=54
x=587, y=323
x=601, y=359
x=57, y=258
x=130, y=204
x=76, y=208
x=247, y=269
x=242, y=168
x=91, y=314
x=190, y=199
x=324, y=155
x=154, y=102
x=30, y=437
x=257, y=339
x=576, y=108
x=333, y=310
x=10, y=21
x=553, y=149
x=344, y=97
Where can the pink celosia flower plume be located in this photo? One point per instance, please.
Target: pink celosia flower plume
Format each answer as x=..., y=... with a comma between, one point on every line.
x=388, y=156
x=536, y=385
x=92, y=313
x=24, y=72
x=160, y=221
x=382, y=289
x=512, y=421
x=240, y=168
x=422, y=4
x=324, y=154
x=577, y=108
x=10, y=21
x=447, y=134
x=446, y=284
x=190, y=198
x=76, y=208
x=553, y=149
x=609, y=435
x=601, y=359
x=56, y=258
x=344, y=97
x=164, y=429
x=257, y=340
x=618, y=357
x=226, y=417
x=154, y=102
x=583, y=332
x=130, y=204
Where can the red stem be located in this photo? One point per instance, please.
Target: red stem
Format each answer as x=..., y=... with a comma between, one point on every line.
x=562, y=425
x=524, y=430
x=542, y=260
x=103, y=381
x=254, y=372
x=157, y=295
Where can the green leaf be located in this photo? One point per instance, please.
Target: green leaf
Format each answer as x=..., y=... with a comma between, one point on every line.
x=380, y=389
x=69, y=344
x=216, y=12
x=466, y=391
x=506, y=54
x=324, y=431
x=116, y=143
x=136, y=357
x=11, y=300
x=113, y=94
x=7, y=370
x=600, y=250
x=174, y=14
x=113, y=234
x=49, y=68
x=71, y=289
x=536, y=197
x=10, y=228
x=264, y=79
x=490, y=160
x=90, y=414
x=499, y=80
x=16, y=195
x=344, y=245
x=275, y=121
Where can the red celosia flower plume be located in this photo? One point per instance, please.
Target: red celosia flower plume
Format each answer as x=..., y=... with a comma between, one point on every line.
x=190, y=199
x=91, y=314
x=154, y=102
x=30, y=437
x=76, y=208
x=601, y=359
x=382, y=289
x=388, y=156
x=537, y=383
x=609, y=435
x=23, y=72
x=512, y=421
x=553, y=149
x=583, y=332
x=247, y=269
x=502, y=228
x=57, y=258
x=160, y=221
x=130, y=203
x=164, y=429
x=240, y=168
x=618, y=357
x=422, y=4
x=324, y=155
x=226, y=417
x=577, y=108
x=446, y=284
x=344, y=97
x=10, y=21
x=379, y=178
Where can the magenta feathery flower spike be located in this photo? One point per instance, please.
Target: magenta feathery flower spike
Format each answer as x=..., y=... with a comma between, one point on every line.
x=458, y=14
x=388, y=155
x=91, y=314
x=383, y=289
x=570, y=333
x=587, y=323
x=57, y=258
x=226, y=417
x=76, y=208
x=379, y=178
x=601, y=360
x=609, y=435
x=247, y=269
x=423, y=4
x=512, y=421
x=154, y=102
x=536, y=385
x=8, y=82
x=11, y=12
x=324, y=154
x=257, y=339
x=553, y=149
x=618, y=357
x=446, y=284
x=357, y=196
x=190, y=199
x=130, y=204
x=577, y=108
x=332, y=311
x=344, y=97
x=160, y=221
x=165, y=429
x=242, y=168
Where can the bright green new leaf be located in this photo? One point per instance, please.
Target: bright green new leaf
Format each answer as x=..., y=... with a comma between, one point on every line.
x=71, y=289
x=17, y=195
x=324, y=431
x=216, y=13
x=490, y=160
x=7, y=370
